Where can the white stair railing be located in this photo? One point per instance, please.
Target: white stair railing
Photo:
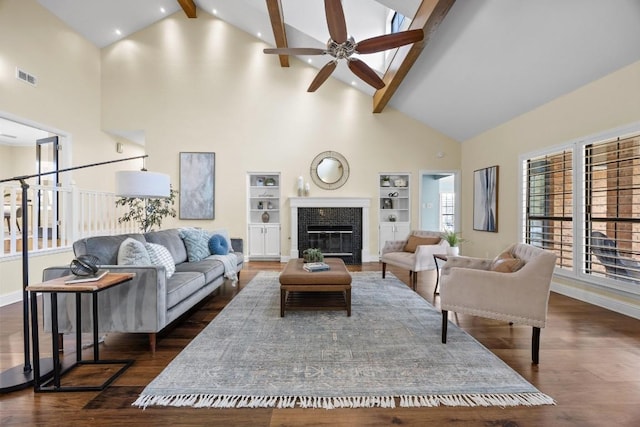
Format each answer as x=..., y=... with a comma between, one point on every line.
x=58, y=216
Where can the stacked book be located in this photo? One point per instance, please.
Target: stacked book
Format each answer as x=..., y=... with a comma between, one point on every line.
x=316, y=266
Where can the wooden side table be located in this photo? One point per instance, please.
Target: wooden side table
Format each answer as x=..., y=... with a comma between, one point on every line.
x=53, y=287
x=437, y=257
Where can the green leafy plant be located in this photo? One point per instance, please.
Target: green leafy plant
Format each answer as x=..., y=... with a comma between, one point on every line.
x=453, y=238
x=148, y=212
x=312, y=255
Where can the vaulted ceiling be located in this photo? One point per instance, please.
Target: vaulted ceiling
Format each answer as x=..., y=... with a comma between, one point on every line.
x=487, y=62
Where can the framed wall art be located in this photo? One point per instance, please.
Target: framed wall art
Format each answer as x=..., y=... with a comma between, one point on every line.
x=485, y=199
x=197, y=185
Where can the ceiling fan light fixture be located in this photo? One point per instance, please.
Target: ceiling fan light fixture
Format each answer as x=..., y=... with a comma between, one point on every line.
x=342, y=46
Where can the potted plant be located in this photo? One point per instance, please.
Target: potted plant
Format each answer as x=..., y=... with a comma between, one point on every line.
x=312, y=255
x=386, y=181
x=148, y=212
x=454, y=240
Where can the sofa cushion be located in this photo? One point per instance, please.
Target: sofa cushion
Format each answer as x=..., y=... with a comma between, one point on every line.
x=160, y=255
x=218, y=245
x=209, y=267
x=182, y=285
x=197, y=243
x=104, y=247
x=400, y=259
x=414, y=241
x=171, y=240
x=133, y=252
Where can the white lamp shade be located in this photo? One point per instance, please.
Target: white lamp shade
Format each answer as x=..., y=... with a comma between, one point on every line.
x=142, y=184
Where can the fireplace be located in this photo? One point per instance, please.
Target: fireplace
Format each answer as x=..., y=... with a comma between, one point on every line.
x=332, y=240
x=339, y=227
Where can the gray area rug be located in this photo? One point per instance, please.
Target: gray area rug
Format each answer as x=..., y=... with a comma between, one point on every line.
x=388, y=352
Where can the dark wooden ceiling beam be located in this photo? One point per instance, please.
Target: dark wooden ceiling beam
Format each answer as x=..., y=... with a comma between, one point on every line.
x=429, y=16
x=277, y=24
x=189, y=8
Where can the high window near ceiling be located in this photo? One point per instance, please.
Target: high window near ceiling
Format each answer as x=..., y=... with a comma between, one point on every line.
x=582, y=202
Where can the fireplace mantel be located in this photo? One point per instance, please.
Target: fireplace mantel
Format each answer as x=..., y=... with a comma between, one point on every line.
x=330, y=202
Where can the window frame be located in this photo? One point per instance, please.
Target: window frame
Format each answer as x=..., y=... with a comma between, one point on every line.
x=577, y=146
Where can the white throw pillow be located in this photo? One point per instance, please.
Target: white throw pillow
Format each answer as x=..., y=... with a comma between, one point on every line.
x=133, y=252
x=160, y=255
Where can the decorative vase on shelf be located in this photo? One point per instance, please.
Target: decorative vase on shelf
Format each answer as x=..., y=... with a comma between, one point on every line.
x=265, y=216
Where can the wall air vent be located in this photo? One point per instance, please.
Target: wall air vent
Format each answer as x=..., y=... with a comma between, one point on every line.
x=26, y=77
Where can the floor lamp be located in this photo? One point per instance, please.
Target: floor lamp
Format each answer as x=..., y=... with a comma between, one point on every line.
x=20, y=377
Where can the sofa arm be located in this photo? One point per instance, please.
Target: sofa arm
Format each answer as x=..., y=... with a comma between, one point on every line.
x=425, y=253
x=139, y=305
x=237, y=244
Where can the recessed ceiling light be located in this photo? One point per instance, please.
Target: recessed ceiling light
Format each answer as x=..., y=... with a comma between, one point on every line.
x=162, y=9
x=118, y=32
x=215, y=11
x=309, y=61
x=353, y=83
x=259, y=34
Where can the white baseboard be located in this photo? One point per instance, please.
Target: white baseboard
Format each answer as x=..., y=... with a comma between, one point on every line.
x=11, y=298
x=610, y=303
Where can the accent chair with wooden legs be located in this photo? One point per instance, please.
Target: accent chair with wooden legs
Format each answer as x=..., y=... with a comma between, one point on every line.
x=513, y=287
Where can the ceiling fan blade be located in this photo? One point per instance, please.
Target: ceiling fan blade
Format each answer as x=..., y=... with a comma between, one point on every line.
x=322, y=75
x=389, y=41
x=335, y=20
x=296, y=51
x=364, y=72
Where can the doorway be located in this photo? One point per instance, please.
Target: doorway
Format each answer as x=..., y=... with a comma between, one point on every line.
x=47, y=206
x=439, y=200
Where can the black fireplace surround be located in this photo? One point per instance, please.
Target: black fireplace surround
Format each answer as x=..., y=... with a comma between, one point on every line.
x=337, y=232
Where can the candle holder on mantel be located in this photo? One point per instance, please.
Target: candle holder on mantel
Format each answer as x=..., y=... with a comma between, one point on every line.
x=307, y=188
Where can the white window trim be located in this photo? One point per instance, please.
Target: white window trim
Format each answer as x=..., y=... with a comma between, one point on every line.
x=577, y=146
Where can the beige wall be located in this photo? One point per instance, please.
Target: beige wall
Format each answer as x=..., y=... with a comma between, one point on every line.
x=605, y=104
x=16, y=160
x=67, y=98
x=203, y=85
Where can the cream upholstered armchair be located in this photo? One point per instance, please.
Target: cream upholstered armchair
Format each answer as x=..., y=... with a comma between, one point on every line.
x=513, y=287
x=414, y=254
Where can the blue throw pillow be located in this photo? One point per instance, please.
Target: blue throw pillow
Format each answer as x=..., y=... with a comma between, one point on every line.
x=218, y=245
x=195, y=240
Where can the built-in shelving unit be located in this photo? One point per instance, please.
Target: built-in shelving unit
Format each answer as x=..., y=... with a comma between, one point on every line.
x=394, y=206
x=263, y=189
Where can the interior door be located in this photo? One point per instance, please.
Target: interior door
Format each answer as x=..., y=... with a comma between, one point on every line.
x=47, y=208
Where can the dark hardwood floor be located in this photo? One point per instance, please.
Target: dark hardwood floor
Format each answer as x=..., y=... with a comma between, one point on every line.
x=589, y=363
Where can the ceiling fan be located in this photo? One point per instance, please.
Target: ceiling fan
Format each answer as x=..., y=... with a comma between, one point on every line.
x=341, y=46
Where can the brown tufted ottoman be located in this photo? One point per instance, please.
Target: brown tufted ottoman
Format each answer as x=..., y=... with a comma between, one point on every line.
x=320, y=290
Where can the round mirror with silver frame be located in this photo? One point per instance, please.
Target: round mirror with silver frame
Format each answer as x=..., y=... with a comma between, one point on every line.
x=329, y=170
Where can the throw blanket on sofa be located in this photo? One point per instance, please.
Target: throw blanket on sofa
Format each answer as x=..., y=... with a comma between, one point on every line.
x=230, y=266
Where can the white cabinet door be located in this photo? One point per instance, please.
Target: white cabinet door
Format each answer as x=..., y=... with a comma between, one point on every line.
x=386, y=233
x=256, y=240
x=264, y=240
x=402, y=231
x=272, y=240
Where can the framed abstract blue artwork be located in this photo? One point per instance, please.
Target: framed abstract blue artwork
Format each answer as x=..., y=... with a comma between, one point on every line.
x=197, y=185
x=485, y=199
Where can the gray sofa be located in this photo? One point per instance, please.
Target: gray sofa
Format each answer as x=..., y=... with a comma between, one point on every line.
x=149, y=302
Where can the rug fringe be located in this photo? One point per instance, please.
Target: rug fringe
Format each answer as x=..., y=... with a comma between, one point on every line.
x=234, y=401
